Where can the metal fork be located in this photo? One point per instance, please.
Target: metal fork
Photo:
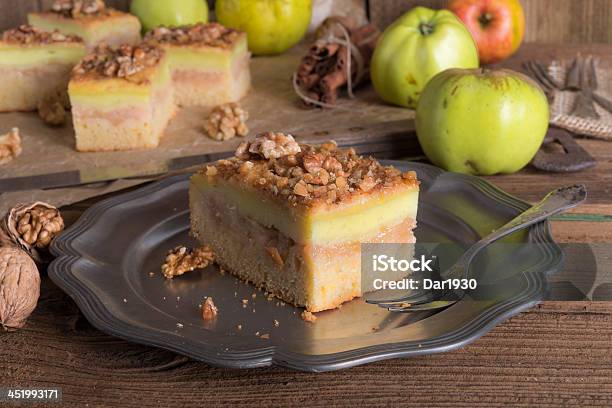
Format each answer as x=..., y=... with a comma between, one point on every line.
x=584, y=105
x=555, y=202
x=573, y=81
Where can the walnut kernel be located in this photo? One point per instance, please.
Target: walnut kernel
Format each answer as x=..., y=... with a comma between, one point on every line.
x=308, y=316
x=226, y=122
x=77, y=8
x=10, y=146
x=181, y=260
x=52, y=111
x=274, y=145
x=209, y=310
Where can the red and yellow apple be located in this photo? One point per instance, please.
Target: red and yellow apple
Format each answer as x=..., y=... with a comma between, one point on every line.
x=480, y=121
x=498, y=26
x=416, y=47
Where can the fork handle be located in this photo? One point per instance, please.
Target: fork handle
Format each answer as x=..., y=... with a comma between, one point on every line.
x=555, y=202
x=603, y=102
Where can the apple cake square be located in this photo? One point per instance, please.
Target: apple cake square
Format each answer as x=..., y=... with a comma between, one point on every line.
x=291, y=218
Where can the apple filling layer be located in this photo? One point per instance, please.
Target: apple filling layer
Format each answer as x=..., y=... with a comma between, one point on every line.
x=300, y=243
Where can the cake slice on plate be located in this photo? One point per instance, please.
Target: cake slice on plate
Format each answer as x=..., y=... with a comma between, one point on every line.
x=90, y=20
x=209, y=62
x=291, y=218
x=121, y=98
x=36, y=65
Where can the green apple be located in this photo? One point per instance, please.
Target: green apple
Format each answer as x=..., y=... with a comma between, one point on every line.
x=416, y=47
x=272, y=26
x=169, y=13
x=483, y=122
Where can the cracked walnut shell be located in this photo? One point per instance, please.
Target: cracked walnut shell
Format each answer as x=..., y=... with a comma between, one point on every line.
x=10, y=146
x=33, y=227
x=226, y=122
x=19, y=287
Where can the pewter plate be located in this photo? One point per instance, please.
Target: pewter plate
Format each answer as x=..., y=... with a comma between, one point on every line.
x=109, y=263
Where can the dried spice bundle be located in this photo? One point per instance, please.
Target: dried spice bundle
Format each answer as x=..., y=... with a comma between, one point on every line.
x=340, y=57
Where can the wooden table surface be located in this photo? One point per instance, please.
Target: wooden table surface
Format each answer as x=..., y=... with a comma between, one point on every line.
x=557, y=354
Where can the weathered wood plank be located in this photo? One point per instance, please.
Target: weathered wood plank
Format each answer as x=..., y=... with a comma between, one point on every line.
x=561, y=21
x=558, y=354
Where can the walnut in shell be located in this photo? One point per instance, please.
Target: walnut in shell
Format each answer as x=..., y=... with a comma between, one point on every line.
x=19, y=287
x=33, y=227
x=10, y=146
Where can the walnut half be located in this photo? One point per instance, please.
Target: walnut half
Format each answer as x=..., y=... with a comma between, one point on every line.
x=10, y=146
x=52, y=111
x=226, y=122
x=181, y=260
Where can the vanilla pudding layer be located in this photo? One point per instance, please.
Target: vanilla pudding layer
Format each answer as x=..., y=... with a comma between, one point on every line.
x=207, y=76
x=30, y=75
x=125, y=117
x=346, y=222
x=318, y=271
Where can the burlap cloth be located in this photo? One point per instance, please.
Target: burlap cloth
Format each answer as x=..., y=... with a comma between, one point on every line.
x=563, y=102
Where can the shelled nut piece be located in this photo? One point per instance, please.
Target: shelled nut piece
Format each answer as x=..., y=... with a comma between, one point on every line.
x=77, y=8
x=10, y=146
x=19, y=287
x=33, y=227
x=226, y=122
x=181, y=260
x=52, y=111
x=209, y=310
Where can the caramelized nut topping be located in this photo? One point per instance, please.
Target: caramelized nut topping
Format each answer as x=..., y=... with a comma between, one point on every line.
x=120, y=62
x=226, y=122
x=10, y=146
x=307, y=175
x=213, y=35
x=181, y=260
x=274, y=145
x=26, y=34
x=78, y=8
